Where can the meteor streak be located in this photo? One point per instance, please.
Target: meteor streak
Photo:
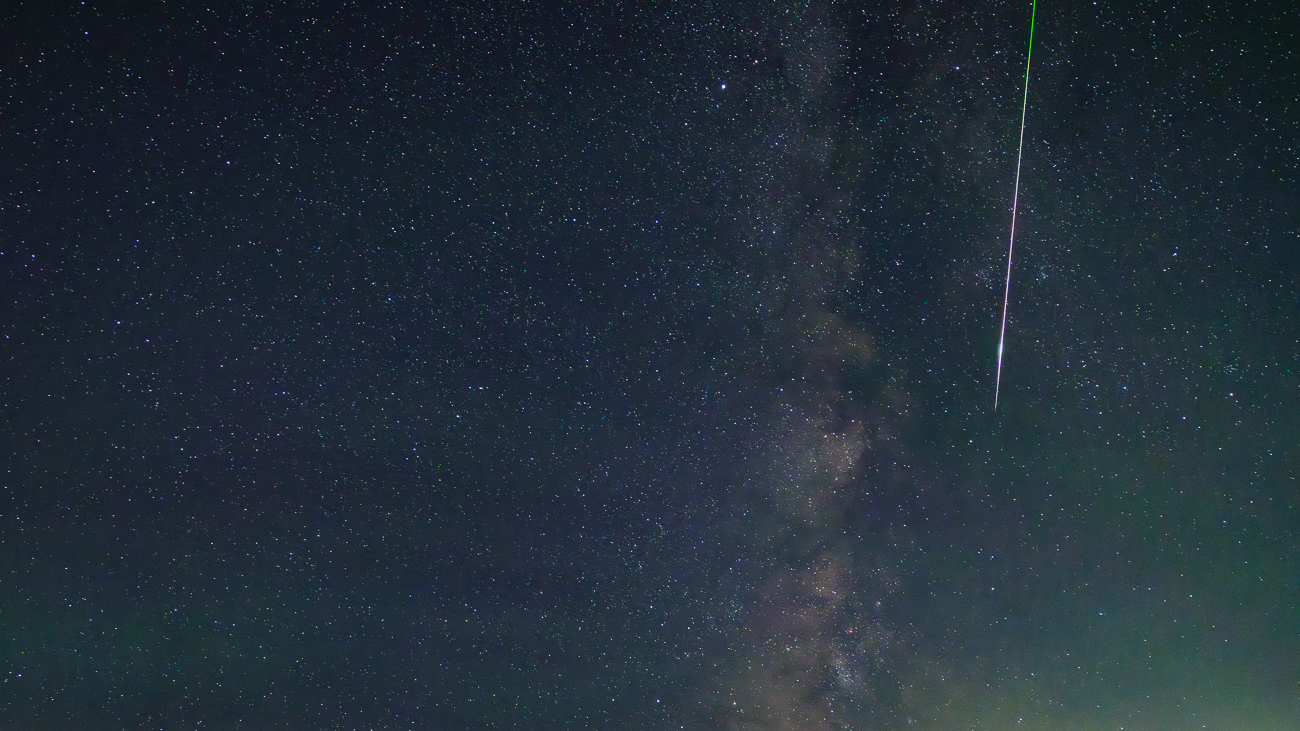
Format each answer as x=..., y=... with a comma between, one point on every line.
x=1015, y=201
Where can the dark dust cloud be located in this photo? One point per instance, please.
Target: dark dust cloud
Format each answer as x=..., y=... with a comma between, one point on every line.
x=611, y=365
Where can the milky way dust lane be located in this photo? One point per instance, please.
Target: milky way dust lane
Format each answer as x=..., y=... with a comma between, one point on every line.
x=1015, y=202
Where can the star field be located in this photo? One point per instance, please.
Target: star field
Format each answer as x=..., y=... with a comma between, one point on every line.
x=532, y=366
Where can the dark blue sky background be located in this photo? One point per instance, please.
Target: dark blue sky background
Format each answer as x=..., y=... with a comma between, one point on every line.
x=487, y=366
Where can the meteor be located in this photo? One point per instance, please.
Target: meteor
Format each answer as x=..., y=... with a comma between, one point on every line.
x=1015, y=201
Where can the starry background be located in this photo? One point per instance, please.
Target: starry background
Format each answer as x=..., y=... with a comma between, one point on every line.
x=600, y=365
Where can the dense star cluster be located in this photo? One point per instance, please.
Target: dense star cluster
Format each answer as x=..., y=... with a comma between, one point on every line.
x=612, y=365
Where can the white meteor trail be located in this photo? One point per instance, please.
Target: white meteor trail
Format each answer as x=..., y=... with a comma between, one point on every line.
x=1015, y=201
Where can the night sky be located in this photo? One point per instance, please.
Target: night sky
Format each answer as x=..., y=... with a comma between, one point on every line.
x=512, y=365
